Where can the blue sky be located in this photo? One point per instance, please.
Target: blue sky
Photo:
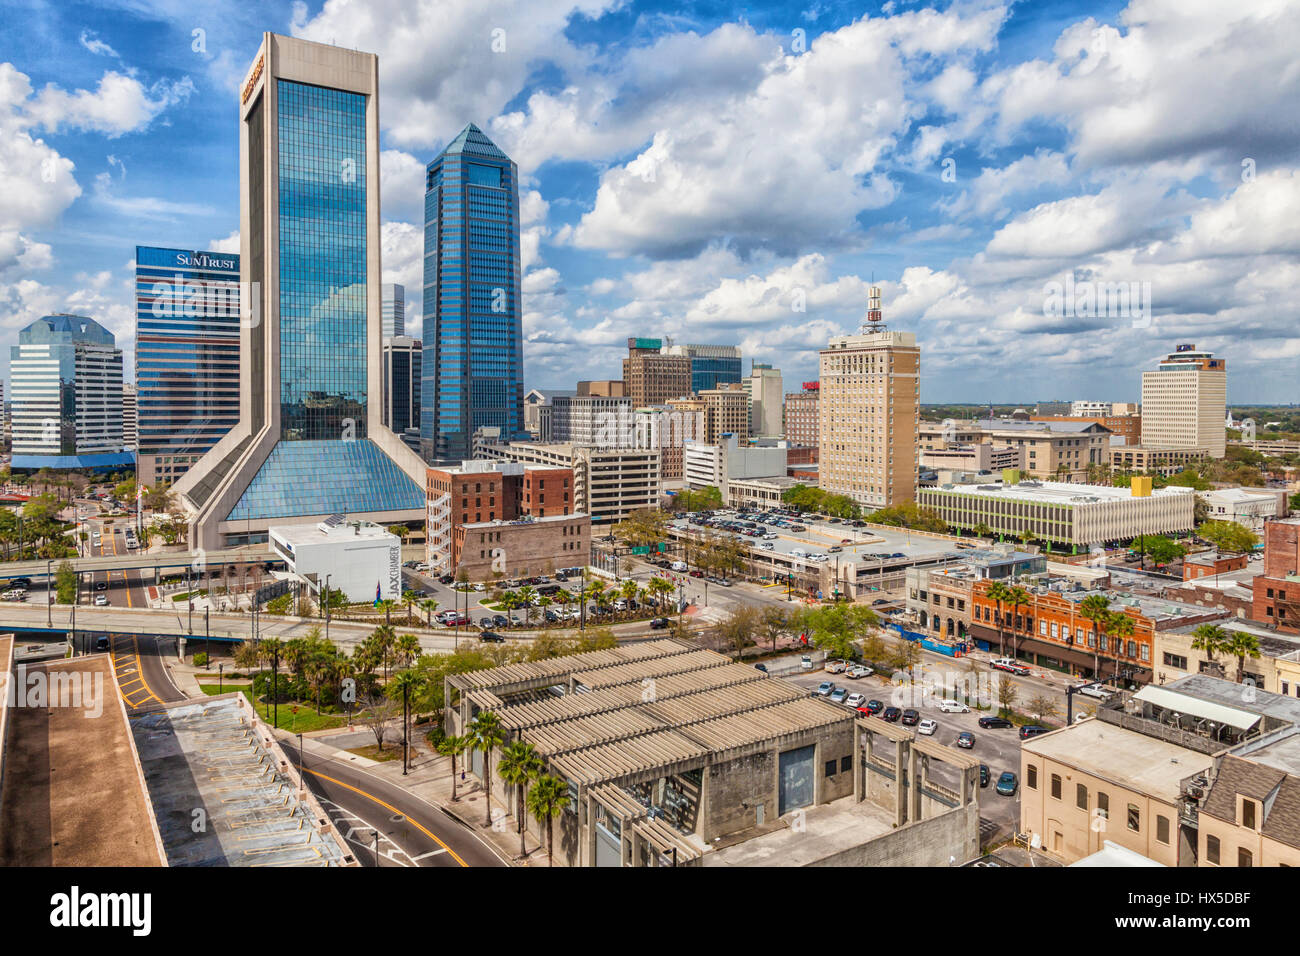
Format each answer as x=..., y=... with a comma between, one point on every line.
x=722, y=172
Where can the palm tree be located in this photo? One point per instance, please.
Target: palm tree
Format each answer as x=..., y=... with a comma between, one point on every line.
x=658, y=588
x=999, y=592
x=546, y=801
x=408, y=649
x=428, y=606
x=485, y=733
x=409, y=598
x=1095, y=608
x=1241, y=645
x=384, y=639
x=1211, y=639
x=453, y=747
x=525, y=597
x=627, y=590
x=1017, y=597
x=406, y=683
x=519, y=766
x=387, y=605
x=1119, y=626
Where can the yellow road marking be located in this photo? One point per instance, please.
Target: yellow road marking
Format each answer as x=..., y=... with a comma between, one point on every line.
x=139, y=669
x=386, y=806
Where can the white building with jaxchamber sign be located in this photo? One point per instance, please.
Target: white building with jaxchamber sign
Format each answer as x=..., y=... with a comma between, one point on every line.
x=360, y=559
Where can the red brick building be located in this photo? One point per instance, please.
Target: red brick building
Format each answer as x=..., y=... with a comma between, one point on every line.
x=1208, y=564
x=1277, y=588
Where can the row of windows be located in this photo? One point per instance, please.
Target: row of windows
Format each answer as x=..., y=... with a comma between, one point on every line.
x=1133, y=814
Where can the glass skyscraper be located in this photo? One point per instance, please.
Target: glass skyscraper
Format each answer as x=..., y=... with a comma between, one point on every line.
x=186, y=357
x=311, y=441
x=473, y=328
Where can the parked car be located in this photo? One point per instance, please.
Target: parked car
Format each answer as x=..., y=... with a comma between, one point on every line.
x=101, y=600
x=834, y=549
x=766, y=546
x=1010, y=665
x=1007, y=784
x=927, y=727
x=1032, y=730
x=855, y=700
x=992, y=723
x=879, y=601
x=491, y=637
x=835, y=667
x=1100, y=691
x=839, y=694
x=679, y=565
x=891, y=714
x=500, y=620
x=101, y=585
x=911, y=717
x=805, y=663
x=965, y=740
x=696, y=573
x=761, y=667
x=824, y=688
x=874, y=706
x=659, y=623
x=858, y=670
x=101, y=643
x=984, y=775
x=950, y=706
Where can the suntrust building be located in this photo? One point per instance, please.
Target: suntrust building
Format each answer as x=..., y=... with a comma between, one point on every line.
x=310, y=442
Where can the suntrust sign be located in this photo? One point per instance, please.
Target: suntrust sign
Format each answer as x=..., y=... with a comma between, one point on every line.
x=252, y=80
x=204, y=260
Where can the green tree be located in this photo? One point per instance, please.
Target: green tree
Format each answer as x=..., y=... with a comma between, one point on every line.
x=65, y=584
x=486, y=733
x=774, y=623
x=836, y=628
x=546, y=801
x=1095, y=608
x=1210, y=639
x=739, y=628
x=428, y=606
x=1007, y=694
x=1120, y=627
x=1228, y=536
x=519, y=766
x=1161, y=549
x=453, y=747
x=1241, y=645
x=406, y=685
x=998, y=593
x=1017, y=597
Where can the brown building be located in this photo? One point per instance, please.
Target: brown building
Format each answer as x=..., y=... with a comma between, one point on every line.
x=652, y=378
x=1210, y=563
x=1251, y=816
x=1277, y=589
x=726, y=411
x=503, y=512
x=607, y=388
x=1128, y=427
x=1161, y=461
x=801, y=415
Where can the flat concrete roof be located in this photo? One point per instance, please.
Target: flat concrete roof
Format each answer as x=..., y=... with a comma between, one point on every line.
x=1283, y=754
x=73, y=794
x=826, y=830
x=1125, y=757
x=1058, y=492
x=211, y=755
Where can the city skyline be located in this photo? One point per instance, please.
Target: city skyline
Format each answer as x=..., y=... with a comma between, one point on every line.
x=1001, y=225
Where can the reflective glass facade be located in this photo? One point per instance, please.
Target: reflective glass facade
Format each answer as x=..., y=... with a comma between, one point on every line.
x=473, y=368
x=324, y=476
x=322, y=264
x=186, y=356
x=707, y=373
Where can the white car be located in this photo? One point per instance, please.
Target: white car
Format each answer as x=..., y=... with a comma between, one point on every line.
x=835, y=667
x=805, y=663
x=855, y=700
x=766, y=546
x=101, y=600
x=950, y=706
x=859, y=670
x=1100, y=691
x=927, y=727
x=769, y=537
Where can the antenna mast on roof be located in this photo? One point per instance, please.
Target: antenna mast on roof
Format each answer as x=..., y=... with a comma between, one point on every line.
x=874, y=321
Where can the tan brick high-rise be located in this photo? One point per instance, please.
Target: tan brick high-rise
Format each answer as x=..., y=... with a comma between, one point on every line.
x=651, y=377
x=868, y=413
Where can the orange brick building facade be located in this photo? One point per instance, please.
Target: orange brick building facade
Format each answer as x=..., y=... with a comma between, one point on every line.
x=1277, y=588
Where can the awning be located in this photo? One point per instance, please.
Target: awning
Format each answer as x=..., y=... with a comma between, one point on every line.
x=1196, y=708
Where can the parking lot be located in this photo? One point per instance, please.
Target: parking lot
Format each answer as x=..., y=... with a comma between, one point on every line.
x=998, y=749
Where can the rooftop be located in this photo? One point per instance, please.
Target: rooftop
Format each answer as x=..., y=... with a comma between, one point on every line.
x=1232, y=694
x=72, y=794
x=214, y=755
x=1060, y=492
x=332, y=529
x=1124, y=757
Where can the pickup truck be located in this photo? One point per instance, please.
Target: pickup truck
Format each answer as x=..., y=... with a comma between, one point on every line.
x=1100, y=691
x=858, y=670
x=835, y=667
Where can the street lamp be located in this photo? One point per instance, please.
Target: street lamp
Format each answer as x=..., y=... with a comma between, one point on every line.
x=49, y=598
x=327, y=607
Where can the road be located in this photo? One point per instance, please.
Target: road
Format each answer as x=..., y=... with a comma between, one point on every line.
x=412, y=832
x=142, y=677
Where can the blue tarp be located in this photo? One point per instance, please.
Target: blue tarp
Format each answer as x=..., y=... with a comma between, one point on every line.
x=929, y=644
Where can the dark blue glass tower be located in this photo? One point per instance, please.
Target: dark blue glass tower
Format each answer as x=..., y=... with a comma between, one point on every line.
x=473, y=328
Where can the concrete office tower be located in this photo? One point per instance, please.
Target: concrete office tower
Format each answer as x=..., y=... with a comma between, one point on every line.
x=726, y=412
x=310, y=442
x=403, y=358
x=765, y=401
x=186, y=357
x=65, y=375
x=393, y=306
x=1185, y=402
x=473, y=323
x=801, y=425
x=129, y=417
x=870, y=398
x=652, y=377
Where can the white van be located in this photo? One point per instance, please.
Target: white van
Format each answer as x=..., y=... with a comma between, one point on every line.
x=679, y=565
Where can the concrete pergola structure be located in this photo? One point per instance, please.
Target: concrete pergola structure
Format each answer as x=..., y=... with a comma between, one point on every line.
x=913, y=753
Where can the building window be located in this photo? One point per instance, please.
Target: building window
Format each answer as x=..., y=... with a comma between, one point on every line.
x=1031, y=777
x=1244, y=857
x=1248, y=814
x=846, y=764
x=1212, y=850
x=1056, y=786
x=1175, y=660
x=1103, y=805
x=1081, y=796
x=830, y=768
x=1134, y=818
x=1162, y=830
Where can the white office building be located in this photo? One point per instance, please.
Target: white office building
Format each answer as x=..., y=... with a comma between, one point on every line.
x=1185, y=402
x=357, y=558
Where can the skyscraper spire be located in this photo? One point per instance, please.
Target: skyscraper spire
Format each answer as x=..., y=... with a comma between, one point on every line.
x=874, y=321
